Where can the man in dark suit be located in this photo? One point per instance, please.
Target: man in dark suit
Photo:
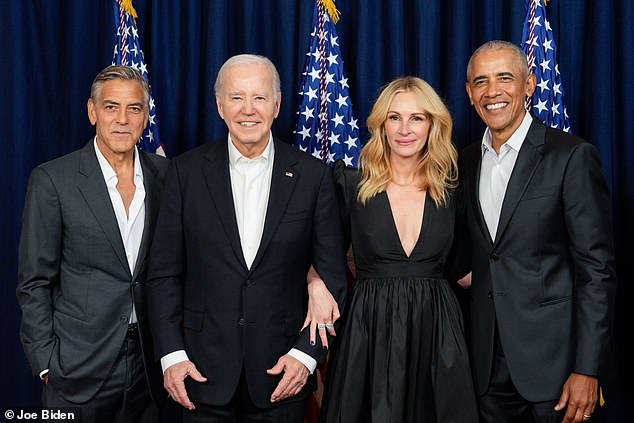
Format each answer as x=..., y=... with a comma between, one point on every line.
x=538, y=216
x=87, y=225
x=241, y=221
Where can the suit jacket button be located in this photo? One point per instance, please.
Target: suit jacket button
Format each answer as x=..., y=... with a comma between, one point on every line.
x=241, y=322
x=493, y=258
x=490, y=295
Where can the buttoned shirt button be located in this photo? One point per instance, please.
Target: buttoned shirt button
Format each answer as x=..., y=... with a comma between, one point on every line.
x=241, y=321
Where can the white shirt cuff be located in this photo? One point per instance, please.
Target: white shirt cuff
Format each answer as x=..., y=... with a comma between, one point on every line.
x=173, y=358
x=43, y=373
x=305, y=359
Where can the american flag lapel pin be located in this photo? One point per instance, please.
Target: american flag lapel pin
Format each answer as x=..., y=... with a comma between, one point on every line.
x=289, y=174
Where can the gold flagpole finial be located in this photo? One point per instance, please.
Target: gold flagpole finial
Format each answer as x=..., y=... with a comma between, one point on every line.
x=126, y=5
x=330, y=7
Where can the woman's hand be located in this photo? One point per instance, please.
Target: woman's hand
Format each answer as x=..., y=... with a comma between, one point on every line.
x=323, y=310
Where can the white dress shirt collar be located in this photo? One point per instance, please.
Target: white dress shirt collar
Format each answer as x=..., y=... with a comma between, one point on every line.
x=515, y=141
x=235, y=155
x=108, y=172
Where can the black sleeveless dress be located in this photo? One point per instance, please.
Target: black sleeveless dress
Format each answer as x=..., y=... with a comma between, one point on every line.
x=401, y=354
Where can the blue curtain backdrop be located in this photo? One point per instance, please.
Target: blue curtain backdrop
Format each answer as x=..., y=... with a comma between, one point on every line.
x=51, y=50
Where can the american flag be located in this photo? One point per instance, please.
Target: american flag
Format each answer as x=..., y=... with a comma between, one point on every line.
x=539, y=45
x=127, y=52
x=326, y=126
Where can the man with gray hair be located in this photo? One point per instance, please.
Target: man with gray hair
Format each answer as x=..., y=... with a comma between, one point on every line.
x=538, y=214
x=87, y=225
x=241, y=221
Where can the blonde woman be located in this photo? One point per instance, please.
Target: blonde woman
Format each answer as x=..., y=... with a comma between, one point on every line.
x=401, y=355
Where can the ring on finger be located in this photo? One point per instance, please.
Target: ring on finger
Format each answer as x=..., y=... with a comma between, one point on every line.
x=321, y=325
x=587, y=416
x=329, y=325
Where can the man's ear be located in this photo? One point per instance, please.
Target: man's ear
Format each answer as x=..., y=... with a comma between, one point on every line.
x=278, y=103
x=92, y=113
x=219, y=106
x=468, y=88
x=531, y=83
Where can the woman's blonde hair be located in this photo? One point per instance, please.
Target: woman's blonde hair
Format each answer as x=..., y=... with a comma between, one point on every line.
x=438, y=163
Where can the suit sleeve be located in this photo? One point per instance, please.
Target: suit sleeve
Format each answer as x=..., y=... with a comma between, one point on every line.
x=343, y=189
x=38, y=268
x=328, y=255
x=588, y=220
x=165, y=269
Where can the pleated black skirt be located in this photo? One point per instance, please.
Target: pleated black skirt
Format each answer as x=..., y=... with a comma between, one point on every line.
x=401, y=356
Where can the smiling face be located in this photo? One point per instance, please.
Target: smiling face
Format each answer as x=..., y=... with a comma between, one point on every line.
x=119, y=114
x=406, y=126
x=248, y=104
x=498, y=87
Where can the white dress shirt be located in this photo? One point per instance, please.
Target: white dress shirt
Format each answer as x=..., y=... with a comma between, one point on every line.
x=495, y=172
x=250, y=186
x=130, y=225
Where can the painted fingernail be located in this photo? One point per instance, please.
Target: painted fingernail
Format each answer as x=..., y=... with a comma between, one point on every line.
x=312, y=343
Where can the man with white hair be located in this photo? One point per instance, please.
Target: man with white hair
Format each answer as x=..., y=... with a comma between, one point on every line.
x=241, y=222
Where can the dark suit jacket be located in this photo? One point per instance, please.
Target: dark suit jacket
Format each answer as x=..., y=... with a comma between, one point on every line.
x=75, y=286
x=548, y=278
x=204, y=300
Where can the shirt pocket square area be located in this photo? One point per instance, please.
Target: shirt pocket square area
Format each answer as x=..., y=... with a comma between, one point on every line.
x=555, y=301
x=539, y=192
x=295, y=216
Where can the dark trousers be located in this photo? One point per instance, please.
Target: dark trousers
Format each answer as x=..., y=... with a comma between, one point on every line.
x=503, y=404
x=124, y=396
x=242, y=410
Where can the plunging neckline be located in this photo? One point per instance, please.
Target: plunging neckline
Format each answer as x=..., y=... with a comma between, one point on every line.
x=395, y=228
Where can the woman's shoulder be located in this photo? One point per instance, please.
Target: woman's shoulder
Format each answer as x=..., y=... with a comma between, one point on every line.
x=341, y=171
x=346, y=178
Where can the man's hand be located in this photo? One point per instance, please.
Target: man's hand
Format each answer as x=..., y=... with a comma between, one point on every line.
x=294, y=379
x=580, y=393
x=174, y=381
x=322, y=309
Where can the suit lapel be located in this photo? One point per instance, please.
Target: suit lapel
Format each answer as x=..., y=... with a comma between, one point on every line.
x=527, y=160
x=216, y=171
x=474, y=187
x=151, y=206
x=283, y=181
x=95, y=192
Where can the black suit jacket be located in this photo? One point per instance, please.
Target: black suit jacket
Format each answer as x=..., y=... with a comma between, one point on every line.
x=548, y=279
x=203, y=298
x=75, y=286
